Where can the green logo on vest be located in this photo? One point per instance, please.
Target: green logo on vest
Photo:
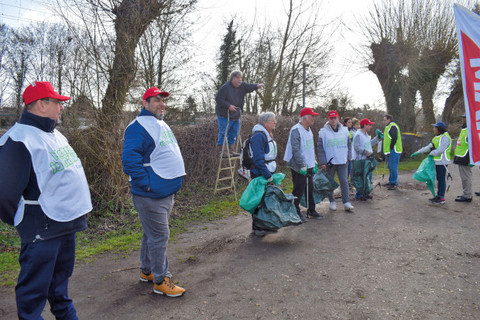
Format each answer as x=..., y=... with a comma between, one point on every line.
x=63, y=158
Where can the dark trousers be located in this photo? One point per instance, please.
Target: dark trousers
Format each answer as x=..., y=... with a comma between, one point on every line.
x=300, y=188
x=441, y=173
x=46, y=266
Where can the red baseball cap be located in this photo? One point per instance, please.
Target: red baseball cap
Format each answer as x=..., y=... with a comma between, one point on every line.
x=365, y=121
x=307, y=111
x=154, y=91
x=40, y=90
x=333, y=114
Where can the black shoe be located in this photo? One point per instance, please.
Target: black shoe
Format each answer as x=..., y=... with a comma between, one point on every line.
x=368, y=197
x=302, y=217
x=258, y=232
x=438, y=200
x=387, y=184
x=314, y=215
x=477, y=194
x=433, y=199
x=463, y=199
x=391, y=187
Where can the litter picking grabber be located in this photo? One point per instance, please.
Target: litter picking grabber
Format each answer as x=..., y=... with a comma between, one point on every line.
x=449, y=177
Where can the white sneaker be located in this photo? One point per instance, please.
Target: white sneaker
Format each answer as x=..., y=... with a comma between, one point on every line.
x=348, y=206
x=333, y=206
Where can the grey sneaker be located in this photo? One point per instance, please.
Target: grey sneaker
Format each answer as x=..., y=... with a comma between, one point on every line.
x=348, y=206
x=259, y=233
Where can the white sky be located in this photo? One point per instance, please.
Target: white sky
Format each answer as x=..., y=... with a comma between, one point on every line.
x=210, y=26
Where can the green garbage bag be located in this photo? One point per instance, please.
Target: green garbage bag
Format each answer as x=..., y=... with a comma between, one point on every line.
x=276, y=210
x=426, y=173
x=361, y=172
x=253, y=194
x=323, y=183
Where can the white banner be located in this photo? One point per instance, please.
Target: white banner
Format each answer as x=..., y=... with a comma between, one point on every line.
x=468, y=33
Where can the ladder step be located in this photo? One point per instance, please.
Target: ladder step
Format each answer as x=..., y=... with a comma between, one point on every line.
x=226, y=178
x=224, y=188
x=226, y=168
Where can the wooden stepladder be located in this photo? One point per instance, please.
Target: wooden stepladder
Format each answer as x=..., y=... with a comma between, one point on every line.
x=227, y=164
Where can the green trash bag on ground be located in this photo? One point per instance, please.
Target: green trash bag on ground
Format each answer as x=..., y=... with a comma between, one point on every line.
x=361, y=171
x=276, y=210
x=426, y=173
x=323, y=183
x=253, y=194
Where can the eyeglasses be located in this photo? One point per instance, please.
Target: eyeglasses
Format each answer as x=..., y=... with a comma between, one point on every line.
x=54, y=101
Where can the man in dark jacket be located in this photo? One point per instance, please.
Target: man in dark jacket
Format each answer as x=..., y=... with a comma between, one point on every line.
x=152, y=159
x=229, y=107
x=45, y=195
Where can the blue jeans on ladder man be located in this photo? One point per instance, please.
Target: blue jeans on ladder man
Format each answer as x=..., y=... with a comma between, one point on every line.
x=233, y=126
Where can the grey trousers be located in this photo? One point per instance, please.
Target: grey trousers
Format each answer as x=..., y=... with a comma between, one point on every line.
x=154, y=215
x=466, y=176
x=342, y=172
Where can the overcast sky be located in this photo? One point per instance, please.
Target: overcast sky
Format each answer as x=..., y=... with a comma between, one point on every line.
x=210, y=26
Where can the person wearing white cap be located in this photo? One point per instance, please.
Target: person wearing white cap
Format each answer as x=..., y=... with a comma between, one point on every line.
x=44, y=193
x=152, y=159
x=440, y=149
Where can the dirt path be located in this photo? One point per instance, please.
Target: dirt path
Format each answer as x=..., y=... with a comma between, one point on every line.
x=396, y=257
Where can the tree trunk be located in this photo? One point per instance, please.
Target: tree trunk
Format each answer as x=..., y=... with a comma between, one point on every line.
x=455, y=98
x=132, y=19
x=426, y=92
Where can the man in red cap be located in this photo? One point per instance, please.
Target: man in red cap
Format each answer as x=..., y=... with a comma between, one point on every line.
x=334, y=150
x=152, y=158
x=300, y=157
x=362, y=147
x=45, y=195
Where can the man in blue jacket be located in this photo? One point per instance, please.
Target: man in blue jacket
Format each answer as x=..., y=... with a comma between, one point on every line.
x=45, y=195
x=229, y=107
x=152, y=159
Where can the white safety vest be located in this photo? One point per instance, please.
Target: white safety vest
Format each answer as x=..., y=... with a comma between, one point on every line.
x=270, y=157
x=307, y=148
x=166, y=159
x=364, y=142
x=64, y=193
x=335, y=144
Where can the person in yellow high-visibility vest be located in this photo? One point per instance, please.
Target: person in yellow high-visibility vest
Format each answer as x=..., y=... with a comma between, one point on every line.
x=440, y=149
x=462, y=160
x=392, y=149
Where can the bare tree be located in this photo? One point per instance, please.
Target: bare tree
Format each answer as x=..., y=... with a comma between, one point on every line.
x=411, y=43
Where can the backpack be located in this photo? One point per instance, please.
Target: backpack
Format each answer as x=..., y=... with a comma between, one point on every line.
x=246, y=155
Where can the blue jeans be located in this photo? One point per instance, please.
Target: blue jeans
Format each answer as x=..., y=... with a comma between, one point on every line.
x=154, y=215
x=441, y=173
x=393, y=160
x=46, y=266
x=233, y=126
x=341, y=170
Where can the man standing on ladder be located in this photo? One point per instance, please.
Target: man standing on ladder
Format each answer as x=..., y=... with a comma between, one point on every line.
x=229, y=107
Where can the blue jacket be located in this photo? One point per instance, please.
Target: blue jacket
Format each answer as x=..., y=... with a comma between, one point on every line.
x=137, y=147
x=260, y=147
x=18, y=178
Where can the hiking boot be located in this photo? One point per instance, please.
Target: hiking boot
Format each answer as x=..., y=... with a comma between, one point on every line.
x=463, y=199
x=233, y=153
x=168, y=288
x=259, y=232
x=348, y=207
x=391, y=187
x=477, y=194
x=314, y=215
x=433, y=199
x=333, y=206
x=438, y=200
x=146, y=277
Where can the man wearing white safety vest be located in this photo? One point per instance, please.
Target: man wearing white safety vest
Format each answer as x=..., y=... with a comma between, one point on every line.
x=334, y=152
x=152, y=158
x=300, y=157
x=45, y=195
